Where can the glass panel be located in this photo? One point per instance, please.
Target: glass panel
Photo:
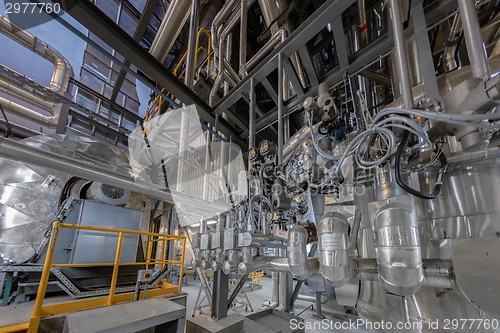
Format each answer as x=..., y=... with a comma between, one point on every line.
x=92, y=81
x=128, y=21
x=109, y=7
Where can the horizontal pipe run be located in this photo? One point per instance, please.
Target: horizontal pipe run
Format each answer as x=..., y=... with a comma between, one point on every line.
x=26, y=154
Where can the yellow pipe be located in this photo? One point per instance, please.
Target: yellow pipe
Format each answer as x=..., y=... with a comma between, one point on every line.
x=132, y=232
x=14, y=328
x=44, y=279
x=115, y=269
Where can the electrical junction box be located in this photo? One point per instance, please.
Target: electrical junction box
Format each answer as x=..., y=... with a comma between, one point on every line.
x=145, y=275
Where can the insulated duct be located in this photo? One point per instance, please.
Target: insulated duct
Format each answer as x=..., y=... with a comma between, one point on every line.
x=62, y=69
x=58, y=83
x=300, y=265
x=335, y=263
x=398, y=249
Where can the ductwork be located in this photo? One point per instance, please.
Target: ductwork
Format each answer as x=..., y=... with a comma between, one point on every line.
x=300, y=265
x=335, y=263
x=58, y=83
x=175, y=18
x=62, y=68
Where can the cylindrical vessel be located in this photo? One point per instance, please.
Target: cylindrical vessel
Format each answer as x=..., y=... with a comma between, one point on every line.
x=300, y=265
x=398, y=249
x=335, y=264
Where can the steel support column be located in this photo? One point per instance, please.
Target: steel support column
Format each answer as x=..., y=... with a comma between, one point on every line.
x=220, y=295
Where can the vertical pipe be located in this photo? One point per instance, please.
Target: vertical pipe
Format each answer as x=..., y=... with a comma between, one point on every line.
x=251, y=121
x=280, y=109
x=114, y=277
x=362, y=24
x=400, y=54
x=207, y=166
x=243, y=38
x=474, y=40
x=191, y=51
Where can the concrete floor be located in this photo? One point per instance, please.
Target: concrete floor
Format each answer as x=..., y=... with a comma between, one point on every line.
x=258, y=297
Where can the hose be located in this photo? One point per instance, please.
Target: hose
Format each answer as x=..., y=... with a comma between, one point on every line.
x=406, y=187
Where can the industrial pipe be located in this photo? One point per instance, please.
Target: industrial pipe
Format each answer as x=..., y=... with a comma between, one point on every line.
x=267, y=263
x=335, y=263
x=251, y=113
x=397, y=249
x=175, y=18
x=281, y=110
x=474, y=39
x=277, y=39
x=300, y=265
x=400, y=54
x=26, y=154
x=62, y=68
x=243, y=39
x=192, y=39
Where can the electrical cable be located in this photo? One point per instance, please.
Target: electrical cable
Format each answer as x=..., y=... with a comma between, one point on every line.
x=406, y=187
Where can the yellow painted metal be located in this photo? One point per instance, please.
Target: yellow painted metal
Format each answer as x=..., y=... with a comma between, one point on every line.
x=14, y=328
x=116, y=266
x=181, y=268
x=40, y=310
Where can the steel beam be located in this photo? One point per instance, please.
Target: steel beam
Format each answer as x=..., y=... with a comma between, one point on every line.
x=308, y=65
x=313, y=25
x=269, y=87
x=142, y=25
x=87, y=14
x=220, y=295
x=292, y=76
x=383, y=46
x=340, y=42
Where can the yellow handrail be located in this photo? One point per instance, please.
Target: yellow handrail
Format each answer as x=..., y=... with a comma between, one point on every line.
x=164, y=288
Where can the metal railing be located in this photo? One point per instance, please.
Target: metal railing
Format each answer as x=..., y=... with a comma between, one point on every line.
x=162, y=288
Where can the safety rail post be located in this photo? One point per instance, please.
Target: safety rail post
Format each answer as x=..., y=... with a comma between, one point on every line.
x=116, y=266
x=181, y=268
x=163, y=252
x=44, y=279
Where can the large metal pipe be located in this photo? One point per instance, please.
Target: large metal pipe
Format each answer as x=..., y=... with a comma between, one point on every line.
x=362, y=24
x=175, y=18
x=474, y=39
x=26, y=154
x=277, y=38
x=218, y=20
x=268, y=263
x=251, y=112
x=243, y=38
x=333, y=252
x=398, y=251
x=62, y=68
x=437, y=273
x=281, y=109
x=400, y=54
x=300, y=265
x=27, y=113
x=290, y=147
x=193, y=36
